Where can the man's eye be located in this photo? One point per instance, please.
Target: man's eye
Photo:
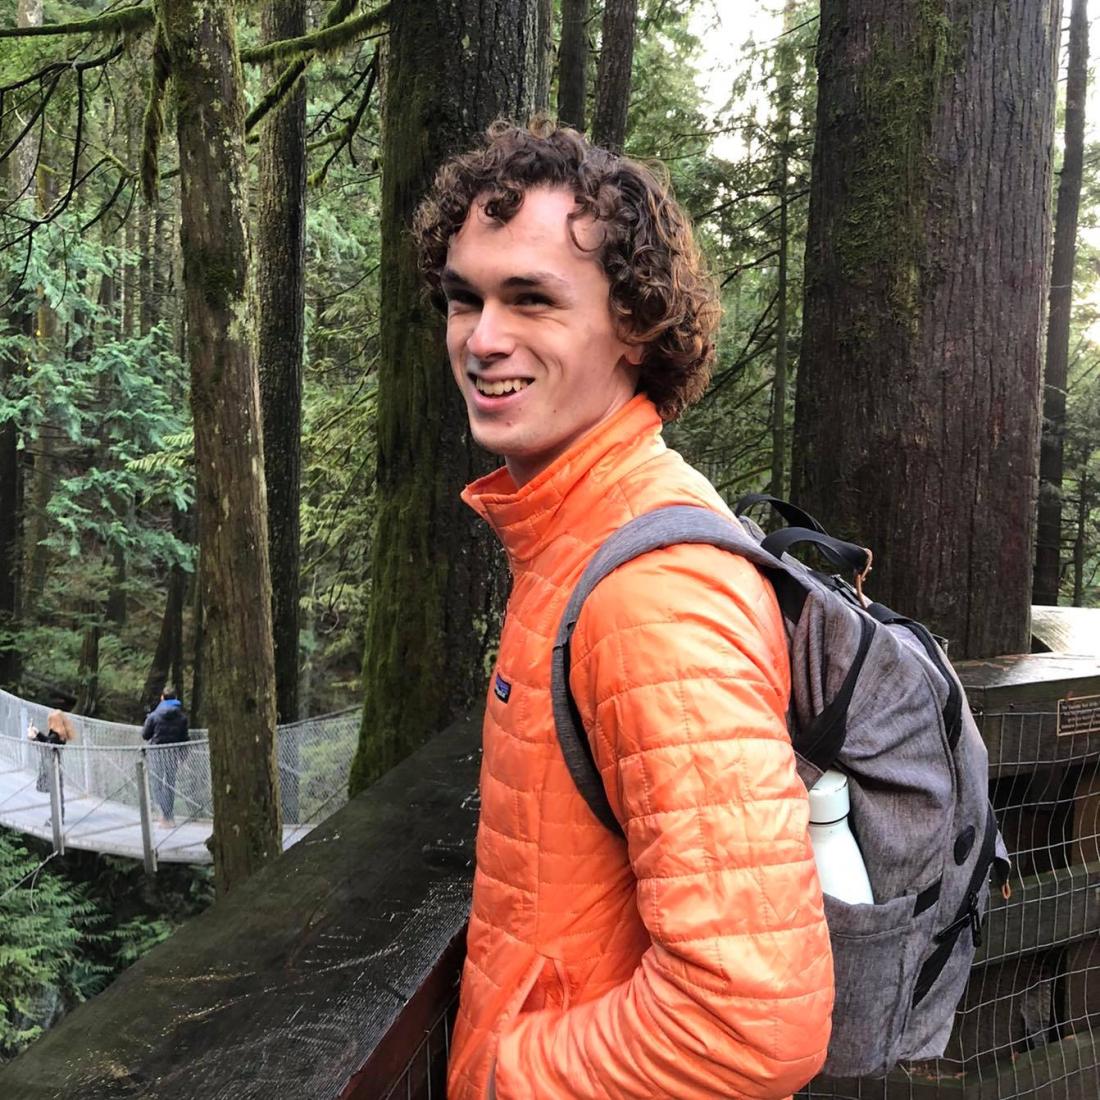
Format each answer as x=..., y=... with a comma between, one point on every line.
x=532, y=300
x=459, y=302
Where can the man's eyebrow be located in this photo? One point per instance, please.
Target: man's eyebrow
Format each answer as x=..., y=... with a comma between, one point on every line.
x=449, y=277
x=534, y=279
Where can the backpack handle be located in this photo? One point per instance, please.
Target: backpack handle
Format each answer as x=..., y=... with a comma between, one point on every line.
x=794, y=515
x=844, y=555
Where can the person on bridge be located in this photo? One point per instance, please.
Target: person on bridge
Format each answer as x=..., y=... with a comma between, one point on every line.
x=59, y=731
x=166, y=728
x=691, y=959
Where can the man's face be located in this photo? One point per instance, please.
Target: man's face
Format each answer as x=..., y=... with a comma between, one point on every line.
x=532, y=341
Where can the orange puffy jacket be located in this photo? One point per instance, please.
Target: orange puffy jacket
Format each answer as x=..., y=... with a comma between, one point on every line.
x=691, y=960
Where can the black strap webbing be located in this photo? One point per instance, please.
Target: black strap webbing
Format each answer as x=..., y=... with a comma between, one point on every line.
x=844, y=555
x=790, y=512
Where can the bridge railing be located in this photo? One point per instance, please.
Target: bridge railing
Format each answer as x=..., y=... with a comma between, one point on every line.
x=112, y=772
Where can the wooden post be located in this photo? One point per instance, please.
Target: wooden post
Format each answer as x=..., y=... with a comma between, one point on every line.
x=149, y=850
x=55, y=800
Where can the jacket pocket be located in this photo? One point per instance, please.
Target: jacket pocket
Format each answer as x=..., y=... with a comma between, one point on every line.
x=874, y=963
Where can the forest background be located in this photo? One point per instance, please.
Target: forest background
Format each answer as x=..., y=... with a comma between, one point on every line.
x=100, y=605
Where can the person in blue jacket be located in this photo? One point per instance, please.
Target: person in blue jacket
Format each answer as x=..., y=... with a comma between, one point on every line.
x=166, y=730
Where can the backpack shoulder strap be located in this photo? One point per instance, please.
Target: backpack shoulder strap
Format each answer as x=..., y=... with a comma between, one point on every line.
x=655, y=530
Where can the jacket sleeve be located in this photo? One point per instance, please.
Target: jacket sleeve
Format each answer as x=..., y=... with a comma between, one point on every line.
x=681, y=675
x=150, y=726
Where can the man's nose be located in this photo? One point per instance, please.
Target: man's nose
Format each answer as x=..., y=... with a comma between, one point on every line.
x=492, y=337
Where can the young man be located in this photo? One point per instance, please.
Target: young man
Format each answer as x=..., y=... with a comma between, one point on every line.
x=690, y=960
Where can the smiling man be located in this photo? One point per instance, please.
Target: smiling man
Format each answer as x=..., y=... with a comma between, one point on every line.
x=689, y=957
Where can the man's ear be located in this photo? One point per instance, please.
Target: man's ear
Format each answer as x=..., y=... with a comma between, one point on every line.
x=635, y=353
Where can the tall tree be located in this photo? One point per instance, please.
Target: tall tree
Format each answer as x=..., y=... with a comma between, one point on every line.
x=573, y=63
x=544, y=50
x=197, y=41
x=280, y=293
x=1048, y=548
x=280, y=287
x=613, y=75
x=432, y=582
x=917, y=407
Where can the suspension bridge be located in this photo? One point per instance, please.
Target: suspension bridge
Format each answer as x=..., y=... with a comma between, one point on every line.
x=107, y=790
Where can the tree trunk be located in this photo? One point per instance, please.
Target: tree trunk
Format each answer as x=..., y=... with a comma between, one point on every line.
x=1080, y=543
x=87, y=673
x=917, y=407
x=168, y=655
x=434, y=590
x=544, y=48
x=225, y=401
x=573, y=63
x=613, y=75
x=785, y=65
x=280, y=294
x=1048, y=542
x=198, y=679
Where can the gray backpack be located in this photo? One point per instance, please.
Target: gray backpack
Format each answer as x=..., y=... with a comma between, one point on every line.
x=873, y=695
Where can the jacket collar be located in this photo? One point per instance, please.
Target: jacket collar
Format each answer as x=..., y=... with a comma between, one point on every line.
x=527, y=519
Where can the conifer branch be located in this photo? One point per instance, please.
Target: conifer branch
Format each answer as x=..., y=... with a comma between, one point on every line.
x=134, y=18
x=153, y=124
x=324, y=39
x=336, y=17
x=277, y=92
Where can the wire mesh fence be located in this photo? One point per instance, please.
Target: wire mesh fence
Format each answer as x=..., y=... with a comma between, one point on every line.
x=1026, y=1026
x=106, y=768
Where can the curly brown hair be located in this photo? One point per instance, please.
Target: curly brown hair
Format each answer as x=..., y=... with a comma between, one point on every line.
x=660, y=290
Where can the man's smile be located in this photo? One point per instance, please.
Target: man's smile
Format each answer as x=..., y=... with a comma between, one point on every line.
x=498, y=387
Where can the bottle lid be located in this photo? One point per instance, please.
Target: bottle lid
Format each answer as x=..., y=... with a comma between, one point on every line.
x=829, y=798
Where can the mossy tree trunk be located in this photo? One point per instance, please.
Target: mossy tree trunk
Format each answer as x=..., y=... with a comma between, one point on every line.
x=453, y=66
x=917, y=407
x=573, y=63
x=280, y=300
x=16, y=323
x=225, y=402
x=613, y=74
x=1048, y=541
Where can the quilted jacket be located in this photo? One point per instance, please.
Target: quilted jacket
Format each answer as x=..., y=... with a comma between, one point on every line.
x=691, y=960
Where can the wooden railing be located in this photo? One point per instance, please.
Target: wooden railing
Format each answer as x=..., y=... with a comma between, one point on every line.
x=327, y=974
x=333, y=973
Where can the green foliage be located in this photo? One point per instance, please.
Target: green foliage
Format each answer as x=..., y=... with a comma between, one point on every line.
x=49, y=928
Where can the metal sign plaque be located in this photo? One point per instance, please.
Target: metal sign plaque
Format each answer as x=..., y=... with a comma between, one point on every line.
x=1079, y=715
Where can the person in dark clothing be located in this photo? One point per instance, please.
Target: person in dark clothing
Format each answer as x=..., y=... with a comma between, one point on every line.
x=59, y=731
x=166, y=728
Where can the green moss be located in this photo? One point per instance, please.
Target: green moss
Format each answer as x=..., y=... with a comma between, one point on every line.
x=889, y=177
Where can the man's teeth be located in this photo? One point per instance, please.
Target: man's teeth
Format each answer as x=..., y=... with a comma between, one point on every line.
x=499, y=389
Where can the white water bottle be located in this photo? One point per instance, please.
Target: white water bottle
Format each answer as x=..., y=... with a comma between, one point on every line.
x=840, y=865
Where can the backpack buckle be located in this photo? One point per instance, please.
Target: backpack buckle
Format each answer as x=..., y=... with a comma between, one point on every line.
x=975, y=920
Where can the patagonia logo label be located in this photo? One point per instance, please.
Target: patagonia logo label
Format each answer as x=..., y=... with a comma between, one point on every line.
x=501, y=688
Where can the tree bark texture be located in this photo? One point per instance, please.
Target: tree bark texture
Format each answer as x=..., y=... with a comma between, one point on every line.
x=573, y=63
x=225, y=402
x=544, y=48
x=434, y=569
x=280, y=294
x=1048, y=542
x=917, y=407
x=613, y=75
x=11, y=482
x=167, y=662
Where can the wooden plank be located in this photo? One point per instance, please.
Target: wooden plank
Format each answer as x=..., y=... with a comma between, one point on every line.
x=1053, y=909
x=1007, y=1009
x=1066, y=1070
x=1015, y=700
x=1066, y=630
x=286, y=987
